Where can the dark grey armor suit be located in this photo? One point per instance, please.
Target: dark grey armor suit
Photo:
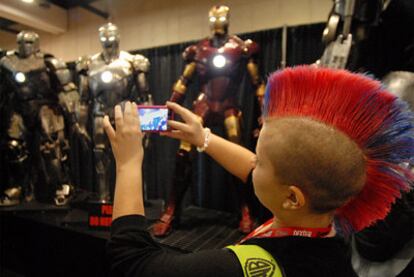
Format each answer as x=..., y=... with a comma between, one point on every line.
x=36, y=90
x=106, y=79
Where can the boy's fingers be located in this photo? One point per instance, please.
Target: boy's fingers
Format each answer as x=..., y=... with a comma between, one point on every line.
x=119, y=120
x=135, y=114
x=187, y=115
x=127, y=107
x=127, y=112
x=110, y=132
x=179, y=126
x=175, y=134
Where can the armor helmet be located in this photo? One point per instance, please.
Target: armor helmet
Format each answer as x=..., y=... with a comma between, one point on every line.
x=219, y=19
x=28, y=43
x=109, y=36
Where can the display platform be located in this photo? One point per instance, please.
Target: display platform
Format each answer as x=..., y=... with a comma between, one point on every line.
x=43, y=240
x=202, y=229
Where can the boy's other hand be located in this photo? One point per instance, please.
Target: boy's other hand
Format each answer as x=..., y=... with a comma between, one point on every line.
x=126, y=139
x=191, y=130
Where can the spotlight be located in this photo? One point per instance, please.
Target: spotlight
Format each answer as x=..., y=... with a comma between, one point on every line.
x=106, y=77
x=20, y=77
x=219, y=61
x=28, y=1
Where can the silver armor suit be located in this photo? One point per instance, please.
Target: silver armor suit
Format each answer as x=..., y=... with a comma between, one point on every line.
x=36, y=91
x=106, y=79
x=348, y=25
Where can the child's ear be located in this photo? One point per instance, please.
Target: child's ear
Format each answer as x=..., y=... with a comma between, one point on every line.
x=295, y=199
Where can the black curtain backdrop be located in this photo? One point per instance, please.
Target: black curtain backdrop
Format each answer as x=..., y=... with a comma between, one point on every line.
x=212, y=187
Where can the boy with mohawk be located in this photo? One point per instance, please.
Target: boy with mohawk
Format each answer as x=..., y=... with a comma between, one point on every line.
x=330, y=147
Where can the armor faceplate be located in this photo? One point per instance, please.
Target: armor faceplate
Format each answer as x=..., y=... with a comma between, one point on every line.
x=110, y=83
x=218, y=17
x=28, y=43
x=109, y=35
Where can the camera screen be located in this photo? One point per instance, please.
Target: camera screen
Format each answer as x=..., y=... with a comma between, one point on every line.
x=153, y=119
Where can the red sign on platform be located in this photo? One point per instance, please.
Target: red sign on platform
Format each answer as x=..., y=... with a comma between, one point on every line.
x=100, y=216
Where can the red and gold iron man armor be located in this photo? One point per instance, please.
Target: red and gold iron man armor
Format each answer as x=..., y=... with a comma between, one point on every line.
x=219, y=62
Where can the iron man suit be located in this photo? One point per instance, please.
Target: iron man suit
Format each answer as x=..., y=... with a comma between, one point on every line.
x=107, y=79
x=219, y=63
x=36, y=92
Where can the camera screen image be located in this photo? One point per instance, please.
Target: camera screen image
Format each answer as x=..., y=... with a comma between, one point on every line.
x=153, y=119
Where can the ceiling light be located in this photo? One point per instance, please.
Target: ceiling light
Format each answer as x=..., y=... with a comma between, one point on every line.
x=28, y=1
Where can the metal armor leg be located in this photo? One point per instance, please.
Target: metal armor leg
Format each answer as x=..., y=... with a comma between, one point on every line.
x=17, y=163
x=54, y=158
x=232, y=124
x=102, y=161
x=181, y=180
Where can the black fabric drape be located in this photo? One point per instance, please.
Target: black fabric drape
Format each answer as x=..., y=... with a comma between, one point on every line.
x=212, y=187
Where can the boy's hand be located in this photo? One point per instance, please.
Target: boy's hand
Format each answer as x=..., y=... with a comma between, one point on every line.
x=126, y=139
x=191, y=130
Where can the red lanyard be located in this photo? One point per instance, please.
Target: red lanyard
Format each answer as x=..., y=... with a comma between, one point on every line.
x=265, y=231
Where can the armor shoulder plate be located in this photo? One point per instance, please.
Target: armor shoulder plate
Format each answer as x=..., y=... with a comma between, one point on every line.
x=6, y=61
x=401, y=84
x=41, y=55
x=189, y=53
x=140, y=63
x=82, y=64
x=59, y=69
x=55, y=64
x=251, y=48
x=11, y=53
x=237, y=39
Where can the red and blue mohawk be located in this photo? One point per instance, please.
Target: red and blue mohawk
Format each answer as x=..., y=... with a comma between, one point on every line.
x=379, y=123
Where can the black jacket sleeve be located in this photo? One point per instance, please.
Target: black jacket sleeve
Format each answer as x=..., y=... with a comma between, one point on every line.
x=133, y=252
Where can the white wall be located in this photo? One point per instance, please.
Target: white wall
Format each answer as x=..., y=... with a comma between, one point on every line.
x=146, y=24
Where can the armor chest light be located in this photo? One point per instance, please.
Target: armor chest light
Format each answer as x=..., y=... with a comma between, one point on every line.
x=20, y=77
x=107, y=76
x=219, y=61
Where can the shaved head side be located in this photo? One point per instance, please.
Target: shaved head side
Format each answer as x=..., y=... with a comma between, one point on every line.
x=325, y=163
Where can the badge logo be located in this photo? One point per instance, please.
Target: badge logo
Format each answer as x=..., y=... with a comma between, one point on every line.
x=256, y=267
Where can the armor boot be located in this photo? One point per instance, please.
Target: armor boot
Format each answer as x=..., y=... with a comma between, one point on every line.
x=246, y=224
x=64, y=192
x=181, y=181
x=57, y=188
x=18, y=167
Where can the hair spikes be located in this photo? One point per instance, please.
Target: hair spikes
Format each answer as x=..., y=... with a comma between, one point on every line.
x=379, y=123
